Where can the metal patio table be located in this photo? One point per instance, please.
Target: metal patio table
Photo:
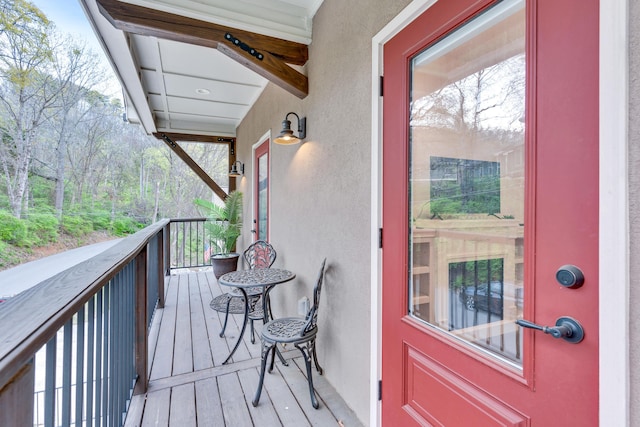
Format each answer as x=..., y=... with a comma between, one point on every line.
x=267, y=278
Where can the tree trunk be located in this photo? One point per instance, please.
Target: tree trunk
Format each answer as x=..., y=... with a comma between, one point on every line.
x=60, y=167
x=157, y=202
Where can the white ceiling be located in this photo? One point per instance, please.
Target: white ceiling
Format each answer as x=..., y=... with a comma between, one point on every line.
x=182, y=88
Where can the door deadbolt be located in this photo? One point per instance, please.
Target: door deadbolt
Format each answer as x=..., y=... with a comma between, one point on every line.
x=570, y=276
x=566, y=328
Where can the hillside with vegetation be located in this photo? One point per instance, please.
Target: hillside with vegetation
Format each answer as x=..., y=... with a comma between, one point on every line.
x=72, y=171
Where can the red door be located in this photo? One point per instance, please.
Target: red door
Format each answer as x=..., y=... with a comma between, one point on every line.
x=490, y=186
x=261, y=192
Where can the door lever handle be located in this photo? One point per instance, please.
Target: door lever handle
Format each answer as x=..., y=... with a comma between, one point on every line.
x=566, y=328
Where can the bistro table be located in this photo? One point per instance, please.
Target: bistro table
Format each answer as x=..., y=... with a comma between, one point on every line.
x=266, y=278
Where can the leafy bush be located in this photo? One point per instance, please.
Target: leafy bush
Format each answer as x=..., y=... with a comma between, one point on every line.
x=13, y=230
x=123, y=225
x=224, y=224
x=43, y=228
x=101, y=219
x=76, y=225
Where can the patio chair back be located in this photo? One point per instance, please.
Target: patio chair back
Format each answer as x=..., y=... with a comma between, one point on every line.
x=260, y=254
x=312, y=314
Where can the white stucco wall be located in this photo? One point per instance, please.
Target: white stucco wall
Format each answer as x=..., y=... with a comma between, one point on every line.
x=320, y=190
x=634, y=207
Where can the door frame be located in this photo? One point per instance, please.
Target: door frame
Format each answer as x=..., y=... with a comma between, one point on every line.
x=254, y=168
x=614, y=382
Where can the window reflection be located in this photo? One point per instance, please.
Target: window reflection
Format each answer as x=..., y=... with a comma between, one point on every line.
x=467, y=182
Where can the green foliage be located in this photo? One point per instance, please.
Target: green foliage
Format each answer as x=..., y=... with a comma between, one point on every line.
x=100, y=219
x=13, y=230
x=124, y=225
x=445, y=206
x=42, y=228
x=462, y=186
x=41, y=194
x=76, y=225
x=473, y=273
x=224, y=223
x=9, y=255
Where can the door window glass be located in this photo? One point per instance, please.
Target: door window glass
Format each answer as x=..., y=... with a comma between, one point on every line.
x=466, y=181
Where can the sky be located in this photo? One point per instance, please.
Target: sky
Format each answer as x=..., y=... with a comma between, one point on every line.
x=71, y=19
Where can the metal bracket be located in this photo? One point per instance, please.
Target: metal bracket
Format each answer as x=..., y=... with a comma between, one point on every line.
x=244, y=46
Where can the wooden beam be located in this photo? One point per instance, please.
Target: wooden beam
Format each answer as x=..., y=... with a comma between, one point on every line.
x=207, y=139
x=192, y=164
x=187, y=137
x=271, y=68
x=269, y=59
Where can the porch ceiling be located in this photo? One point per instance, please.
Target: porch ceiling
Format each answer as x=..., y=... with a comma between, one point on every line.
x=179, y=74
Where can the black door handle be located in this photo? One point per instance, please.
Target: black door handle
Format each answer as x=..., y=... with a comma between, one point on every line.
x=566, y=328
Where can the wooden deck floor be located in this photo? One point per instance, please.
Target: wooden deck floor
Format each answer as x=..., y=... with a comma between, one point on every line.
x=189, y=386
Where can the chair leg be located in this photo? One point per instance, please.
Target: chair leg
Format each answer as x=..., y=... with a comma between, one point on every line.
x=273, y=357
x=263, y=364
x=315, y=358
x=269, y=309
x=226, y=318
x=307, y=354
x=253, y=336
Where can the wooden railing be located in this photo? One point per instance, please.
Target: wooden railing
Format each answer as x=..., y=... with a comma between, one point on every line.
x=189, y=245
x=87, y=325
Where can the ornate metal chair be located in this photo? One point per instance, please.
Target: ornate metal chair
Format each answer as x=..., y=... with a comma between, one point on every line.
x=259, y=254
x=299, y=331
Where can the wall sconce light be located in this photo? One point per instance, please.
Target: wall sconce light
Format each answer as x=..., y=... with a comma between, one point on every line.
x=286, y=136
x=237, y=169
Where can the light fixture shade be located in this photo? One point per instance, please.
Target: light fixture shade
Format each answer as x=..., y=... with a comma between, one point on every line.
x=286, y=136
x=235, y=170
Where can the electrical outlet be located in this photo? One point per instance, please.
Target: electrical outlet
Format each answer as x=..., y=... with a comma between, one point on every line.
x=303, y=306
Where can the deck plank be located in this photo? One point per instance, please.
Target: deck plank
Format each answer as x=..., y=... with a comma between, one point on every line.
x=183, y=351
x=219, y=346
x=234, y=406
x=156, y=410
x=202, y=357
x=297, y=380
x=328, y=395
x=183, y=406
x=277, y=393
x=263, y=415
x=208, y=403
x=162, y=365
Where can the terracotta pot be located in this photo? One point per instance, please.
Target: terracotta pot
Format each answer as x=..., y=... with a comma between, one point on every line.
x=224, y=264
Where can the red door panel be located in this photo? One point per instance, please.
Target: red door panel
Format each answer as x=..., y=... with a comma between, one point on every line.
x=453, y=286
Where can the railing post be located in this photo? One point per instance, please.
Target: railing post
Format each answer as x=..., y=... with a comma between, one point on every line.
x=16, y=398
x=167, y=249
x=163, y=262
x=142, y=341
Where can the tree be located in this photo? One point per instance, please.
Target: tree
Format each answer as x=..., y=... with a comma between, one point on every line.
x=490, y=98
x=79, y=70
x=26, y=92
x=17, y=15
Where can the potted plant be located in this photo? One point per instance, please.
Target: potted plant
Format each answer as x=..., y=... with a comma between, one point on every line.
x=223, y=228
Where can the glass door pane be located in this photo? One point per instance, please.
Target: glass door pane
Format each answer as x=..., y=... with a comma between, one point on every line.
x=467, y=182
x=263, y=196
